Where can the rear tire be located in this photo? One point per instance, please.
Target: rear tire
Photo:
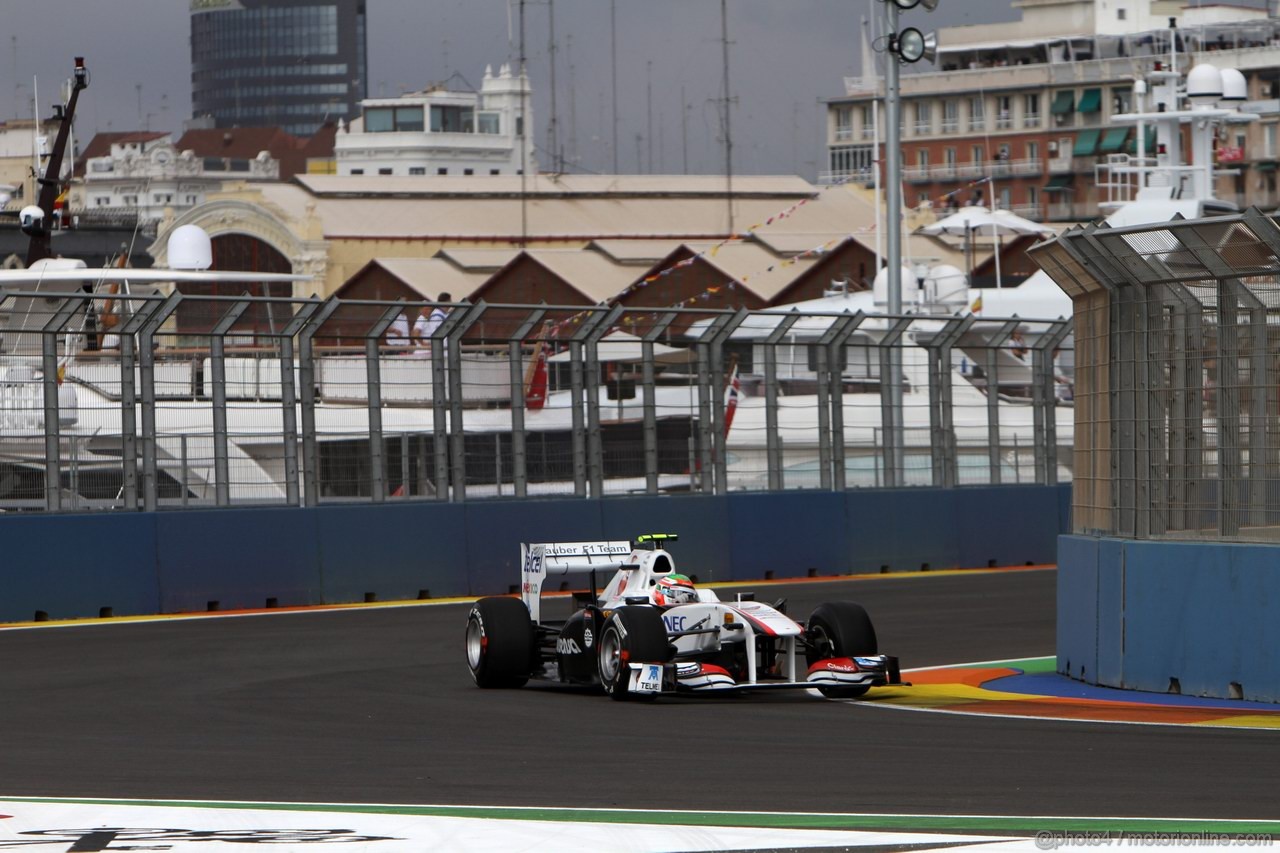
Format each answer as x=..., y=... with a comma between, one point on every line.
x=630, y=635
x=839, y=629
x=499, y=642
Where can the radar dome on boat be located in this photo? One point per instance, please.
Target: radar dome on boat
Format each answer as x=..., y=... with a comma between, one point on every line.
x=1234, y=86
x=1204, y=82
x=190, y=248
x=880, y=286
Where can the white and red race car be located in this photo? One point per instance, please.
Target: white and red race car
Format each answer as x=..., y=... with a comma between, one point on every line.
x=631, y=640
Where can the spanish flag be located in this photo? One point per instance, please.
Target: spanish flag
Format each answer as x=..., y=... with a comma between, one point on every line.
x=977, y=305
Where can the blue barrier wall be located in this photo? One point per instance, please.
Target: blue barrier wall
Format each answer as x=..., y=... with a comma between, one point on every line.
x=70, y=566
x=1136, y=614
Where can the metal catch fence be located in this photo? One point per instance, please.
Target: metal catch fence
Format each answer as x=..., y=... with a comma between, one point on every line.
x=198, y=401
x=1177, y=422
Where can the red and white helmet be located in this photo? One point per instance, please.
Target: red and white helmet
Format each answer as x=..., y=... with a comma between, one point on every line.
x=674, y=589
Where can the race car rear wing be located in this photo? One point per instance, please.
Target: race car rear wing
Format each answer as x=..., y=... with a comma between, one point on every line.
x=537, y=560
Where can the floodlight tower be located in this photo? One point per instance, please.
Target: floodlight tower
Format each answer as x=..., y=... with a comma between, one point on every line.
x=908, y=46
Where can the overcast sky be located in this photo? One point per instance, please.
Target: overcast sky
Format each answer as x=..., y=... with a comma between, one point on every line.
x=785, y=56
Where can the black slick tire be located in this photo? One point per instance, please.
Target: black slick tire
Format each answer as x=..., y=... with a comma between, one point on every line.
x=499, y=642
x=839, y=629
x=630, y=635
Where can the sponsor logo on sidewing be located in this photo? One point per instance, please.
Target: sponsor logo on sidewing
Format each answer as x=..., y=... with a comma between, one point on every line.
x=566, y=646
x=674, y=622
x=587, y=637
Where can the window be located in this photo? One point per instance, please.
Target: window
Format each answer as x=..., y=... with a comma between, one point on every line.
x=1031, y=110
x=417, y=170
x=1121, y=100
x=487, y=123
x=468, y=171
x=977, y=154
x=102, y=201
x=357, y=171
x=393, y=119
x=191, y=199
x=442, y=171
x=977, y=115
x=924, y=118
x=844, y=124
x=950, y=116
x=1033, y=196
x=1120, y=13
x=447, y=119
x=495, y=171
x=949, y=156
x=867, y=118
x=130, y=201
x=1269, y=140
x=1004, y=112
x=922, y=158
x=384, y=171
x=1033, y=151
x=851, y=160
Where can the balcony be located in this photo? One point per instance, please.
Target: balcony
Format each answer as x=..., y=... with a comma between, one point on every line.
x=977, y=124
x=1031, y=120
x=923, y=128
x=868, y=133
x=844, y=134
x=951, y=125
x=1004, y=121
x=968, y=170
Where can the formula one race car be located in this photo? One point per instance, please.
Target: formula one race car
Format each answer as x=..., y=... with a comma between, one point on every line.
x=651, y=631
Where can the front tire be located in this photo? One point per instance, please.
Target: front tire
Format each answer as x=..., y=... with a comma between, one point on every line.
x=630, y=635
x=499, y=642
x=839, y=629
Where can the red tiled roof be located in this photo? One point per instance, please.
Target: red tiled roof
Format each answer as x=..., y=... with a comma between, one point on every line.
x=245, y=143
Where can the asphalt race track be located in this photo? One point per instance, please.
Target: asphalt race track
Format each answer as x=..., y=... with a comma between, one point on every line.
x=376, y=705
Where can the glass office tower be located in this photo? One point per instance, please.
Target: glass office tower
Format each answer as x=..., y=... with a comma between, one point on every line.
x=286, y=63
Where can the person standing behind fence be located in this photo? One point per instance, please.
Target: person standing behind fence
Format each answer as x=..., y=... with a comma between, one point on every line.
x=427, y=323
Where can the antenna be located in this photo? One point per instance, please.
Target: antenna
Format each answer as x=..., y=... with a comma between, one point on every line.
x=728, y=103
x=613, y=53
x=684, y=130
x=648, y=76
x=553, y=131
x=573, y=102
x=523, y=131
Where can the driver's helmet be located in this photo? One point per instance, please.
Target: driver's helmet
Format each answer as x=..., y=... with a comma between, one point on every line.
x=674, y=589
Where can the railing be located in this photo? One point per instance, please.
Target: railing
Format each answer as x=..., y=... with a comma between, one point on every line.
x=197, y=402
x=844, y=134
x=1031, y=119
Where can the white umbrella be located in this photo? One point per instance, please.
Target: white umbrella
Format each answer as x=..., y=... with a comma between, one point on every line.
x=967, y=220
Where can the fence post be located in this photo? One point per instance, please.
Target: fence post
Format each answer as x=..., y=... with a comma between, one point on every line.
x=649, y=380
x=373, y=374
x=453, y=353
x=129, y=401
x=837, y=343
x=307, y=379
x=773, y=444
x=994, y=344
x=719, y=440
x=147, y=375
x=218, y=366
x=50, y=381
x=519, y=456
x=288, y=398
x=601, y=324
x=889, y=432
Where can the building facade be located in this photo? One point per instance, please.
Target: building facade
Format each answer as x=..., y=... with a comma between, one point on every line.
x=443, y=132
x=289, y=63
x=1019, y=115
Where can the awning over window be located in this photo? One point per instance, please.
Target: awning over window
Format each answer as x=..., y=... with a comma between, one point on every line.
x=1086, y=143
x=1090, y=101
x=1113, y=140
x=1063, y=102
x=1059, y=182
x=1266, y=166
